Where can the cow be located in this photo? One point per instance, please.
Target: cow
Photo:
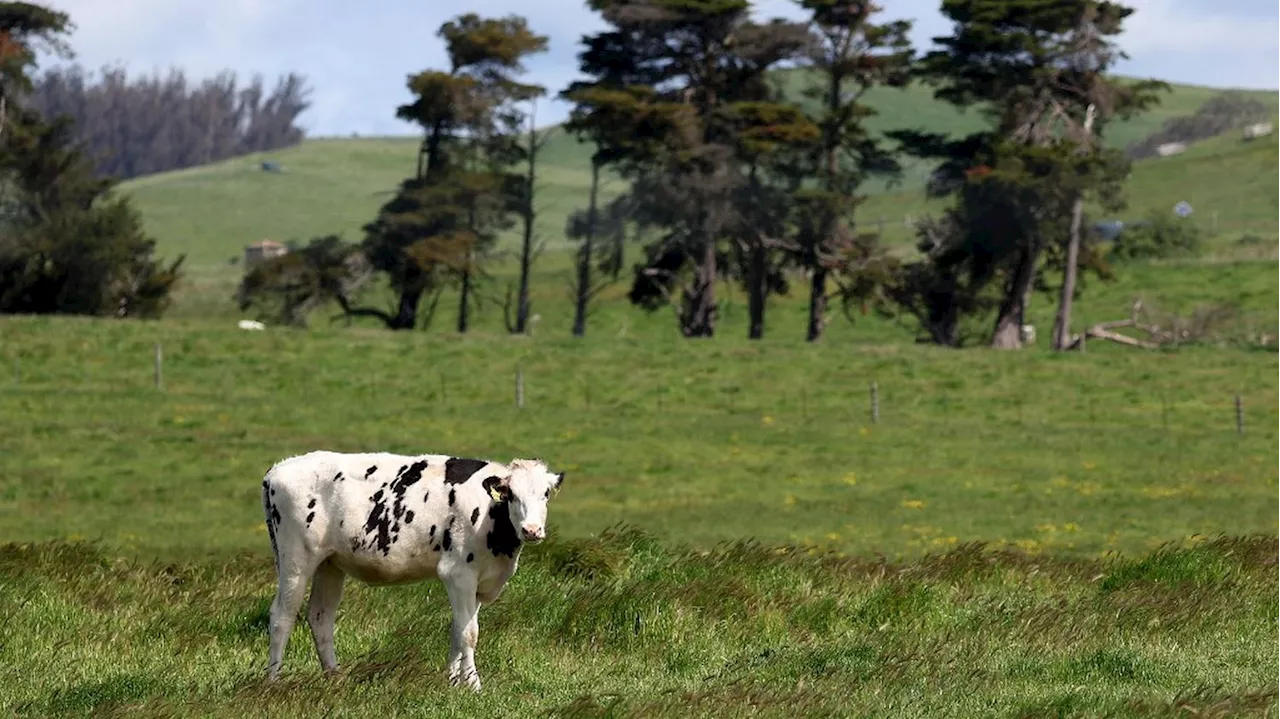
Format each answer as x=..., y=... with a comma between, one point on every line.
x=384, y=519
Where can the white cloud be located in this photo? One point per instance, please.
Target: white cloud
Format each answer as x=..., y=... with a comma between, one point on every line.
x=357, y=57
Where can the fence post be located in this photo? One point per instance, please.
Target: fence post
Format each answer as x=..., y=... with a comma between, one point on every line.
x=519, y=387
x=1239, y=415
x=159, y=367
x=875, y=403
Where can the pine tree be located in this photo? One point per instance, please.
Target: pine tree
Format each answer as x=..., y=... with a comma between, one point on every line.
x=1017, y=181
x=444, y=220
x=851, y=55
x=673, y=78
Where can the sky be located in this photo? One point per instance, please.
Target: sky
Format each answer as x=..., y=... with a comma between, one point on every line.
x=357, y=60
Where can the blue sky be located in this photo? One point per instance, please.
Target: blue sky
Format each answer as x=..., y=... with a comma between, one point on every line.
x=356, y=60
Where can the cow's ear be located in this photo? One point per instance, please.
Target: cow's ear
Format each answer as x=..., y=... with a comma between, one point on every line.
x=559, y=480
x=499, y=488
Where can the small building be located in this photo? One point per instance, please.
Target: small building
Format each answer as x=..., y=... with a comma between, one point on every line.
x=263, y=250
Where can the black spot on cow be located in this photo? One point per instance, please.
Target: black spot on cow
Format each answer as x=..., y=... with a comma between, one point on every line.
x=273, y=491
x=452, y=519
x=264, y=484
x=453, y=495
x=275, y=515
x=436, y=548
x=502, y=537
x=432, y=533
x=379, y=524
x=338, y=477
x=426, y=497
x=342, y=523
x=470, y=556
x=310, y=518
x=370, y=471
x=312, y=503
x=408, y=517
x=384, y=518
x=446, y=540
x=458, y=469
x=475, y=515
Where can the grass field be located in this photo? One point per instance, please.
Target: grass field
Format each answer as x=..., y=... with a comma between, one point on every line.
x=1018, y=535
x=1072, y=469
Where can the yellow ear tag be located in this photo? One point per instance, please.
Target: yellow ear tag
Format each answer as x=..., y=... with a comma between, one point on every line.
x=493, y=492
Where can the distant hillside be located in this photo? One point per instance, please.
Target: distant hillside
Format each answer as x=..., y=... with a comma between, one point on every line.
x=336, y=185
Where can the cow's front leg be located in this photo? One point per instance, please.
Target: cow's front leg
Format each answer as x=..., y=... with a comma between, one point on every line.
x=461, y=587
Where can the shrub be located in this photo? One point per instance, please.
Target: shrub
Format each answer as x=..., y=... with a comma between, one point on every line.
x=1158, y=236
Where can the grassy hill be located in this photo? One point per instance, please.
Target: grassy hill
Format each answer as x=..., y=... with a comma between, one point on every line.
x=336, y=185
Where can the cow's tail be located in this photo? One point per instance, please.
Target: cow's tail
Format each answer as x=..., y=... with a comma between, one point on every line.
x=266, y=512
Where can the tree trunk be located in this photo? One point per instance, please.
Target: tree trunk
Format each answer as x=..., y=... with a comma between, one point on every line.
x=464, y=302
x=1008, y=330
x=407, y=310
x=526, y=247
x=1062, y=322
x=817, y=304
x=699, y=316
x=757, y=290
x=584, y=257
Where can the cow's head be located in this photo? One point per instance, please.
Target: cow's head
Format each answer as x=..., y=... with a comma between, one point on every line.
x=527, y=489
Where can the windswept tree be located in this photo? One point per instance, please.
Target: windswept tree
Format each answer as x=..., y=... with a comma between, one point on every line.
x=289, y=287
x=445, y=219
x=772, y=147
x=672, y=78
x=850, y=55
x=1034, y=69
x=528, y=211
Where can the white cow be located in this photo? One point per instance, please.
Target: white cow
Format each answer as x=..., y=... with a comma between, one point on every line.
x=389, y=519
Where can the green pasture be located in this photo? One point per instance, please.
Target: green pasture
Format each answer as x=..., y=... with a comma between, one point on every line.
x=1012, y=534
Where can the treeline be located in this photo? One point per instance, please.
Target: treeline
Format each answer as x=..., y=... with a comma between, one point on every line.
x=730, y=181
x=68, y=244
x=134, y=126
x=1228, y=111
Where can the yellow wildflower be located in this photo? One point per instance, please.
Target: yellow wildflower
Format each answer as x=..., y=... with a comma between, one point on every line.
x=912, y=504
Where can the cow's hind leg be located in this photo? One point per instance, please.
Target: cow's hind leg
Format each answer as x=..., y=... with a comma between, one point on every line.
x=290, y=591
x=322, y=611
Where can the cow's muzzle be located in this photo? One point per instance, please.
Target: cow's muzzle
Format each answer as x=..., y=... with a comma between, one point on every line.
x=532, y=533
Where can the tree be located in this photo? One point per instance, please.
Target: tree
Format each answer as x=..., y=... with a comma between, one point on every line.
x=607, y=118
x=850, y=55
x=528, y=214
x=672, y=78
x=444, y=219
x=67, y=243
x=289, y=287
x=602, y=234
x=1016, y=181
x=772, y=145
